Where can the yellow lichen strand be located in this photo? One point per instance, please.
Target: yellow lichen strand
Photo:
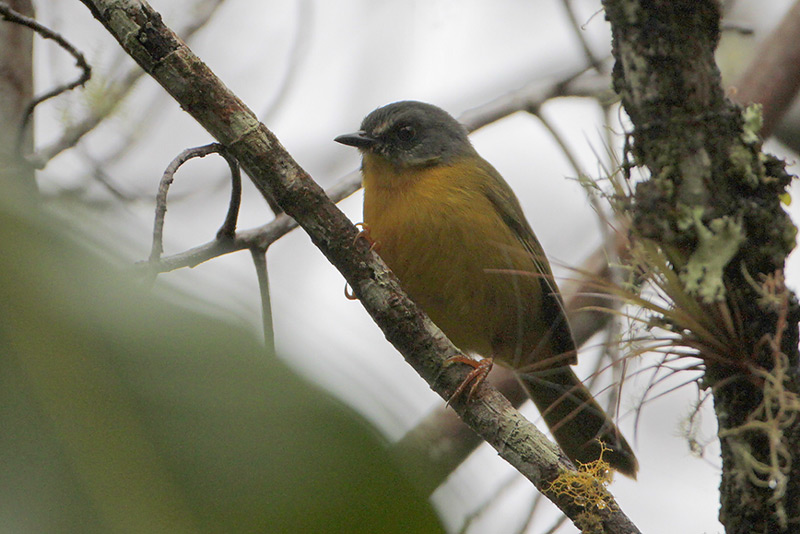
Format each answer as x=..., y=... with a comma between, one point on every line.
x=587, y=486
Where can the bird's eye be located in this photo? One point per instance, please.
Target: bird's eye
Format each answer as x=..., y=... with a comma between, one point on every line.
x=406, y=134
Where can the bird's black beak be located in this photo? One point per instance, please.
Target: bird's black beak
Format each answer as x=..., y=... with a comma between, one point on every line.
x=358, y=139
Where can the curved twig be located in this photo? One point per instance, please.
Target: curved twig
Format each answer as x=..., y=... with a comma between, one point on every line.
x=118, y=90
x=228, y=228
x=86, y=70
x=577, y=29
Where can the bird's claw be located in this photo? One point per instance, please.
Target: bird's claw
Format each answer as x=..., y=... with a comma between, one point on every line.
x=480, y=370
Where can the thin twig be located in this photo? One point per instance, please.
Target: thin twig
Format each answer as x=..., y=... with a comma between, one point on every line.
x=117, y=92
x=535, y=94
x=262, y=236
x=297, y=56
x=556, y=525
x=227, y=231
x=535, y=503
x=577, y=28
x=572, y=158
x=259, y=255
x=742, y=28
x=484, y=507
x=86, y=71
x=772, y=78
x=228, y=228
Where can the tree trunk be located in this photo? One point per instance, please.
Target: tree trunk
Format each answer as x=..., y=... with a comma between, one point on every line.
x=712, y=206
x=16, y=92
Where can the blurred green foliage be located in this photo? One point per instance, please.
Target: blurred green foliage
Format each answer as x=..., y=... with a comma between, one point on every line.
x=123, y=411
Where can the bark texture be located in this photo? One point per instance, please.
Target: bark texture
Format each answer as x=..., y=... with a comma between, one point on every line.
x=16, y=92
x=712, y=205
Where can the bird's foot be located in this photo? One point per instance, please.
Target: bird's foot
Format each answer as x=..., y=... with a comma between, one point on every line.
x=364, y=234
x=373, y=245
x=480, y=370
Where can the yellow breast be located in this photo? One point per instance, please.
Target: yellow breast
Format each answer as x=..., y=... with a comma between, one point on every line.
x=455, y=256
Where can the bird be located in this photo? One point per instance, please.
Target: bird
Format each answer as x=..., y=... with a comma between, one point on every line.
x=453, y=232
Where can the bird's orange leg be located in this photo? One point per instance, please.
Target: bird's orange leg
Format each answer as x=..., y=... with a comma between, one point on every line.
x=480, y=370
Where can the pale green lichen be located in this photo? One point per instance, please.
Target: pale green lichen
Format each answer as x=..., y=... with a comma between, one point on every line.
x=718, y=243
x=753, y=122
x=749, y=169
x=688, y=217
x=741, y=157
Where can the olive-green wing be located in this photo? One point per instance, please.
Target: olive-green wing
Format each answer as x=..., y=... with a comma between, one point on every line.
x=553, y=313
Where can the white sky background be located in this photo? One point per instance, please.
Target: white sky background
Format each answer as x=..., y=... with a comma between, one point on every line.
x=351, y=57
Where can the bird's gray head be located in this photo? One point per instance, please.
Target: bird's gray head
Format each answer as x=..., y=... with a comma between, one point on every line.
x=411, y=134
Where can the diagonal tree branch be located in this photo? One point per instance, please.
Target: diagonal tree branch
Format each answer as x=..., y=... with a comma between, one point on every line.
x=164, y=56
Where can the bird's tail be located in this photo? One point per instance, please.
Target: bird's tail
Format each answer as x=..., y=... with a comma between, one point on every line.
x=576, y=421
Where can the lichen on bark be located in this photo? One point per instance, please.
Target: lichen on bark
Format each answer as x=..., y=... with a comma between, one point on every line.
x=712, y=207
